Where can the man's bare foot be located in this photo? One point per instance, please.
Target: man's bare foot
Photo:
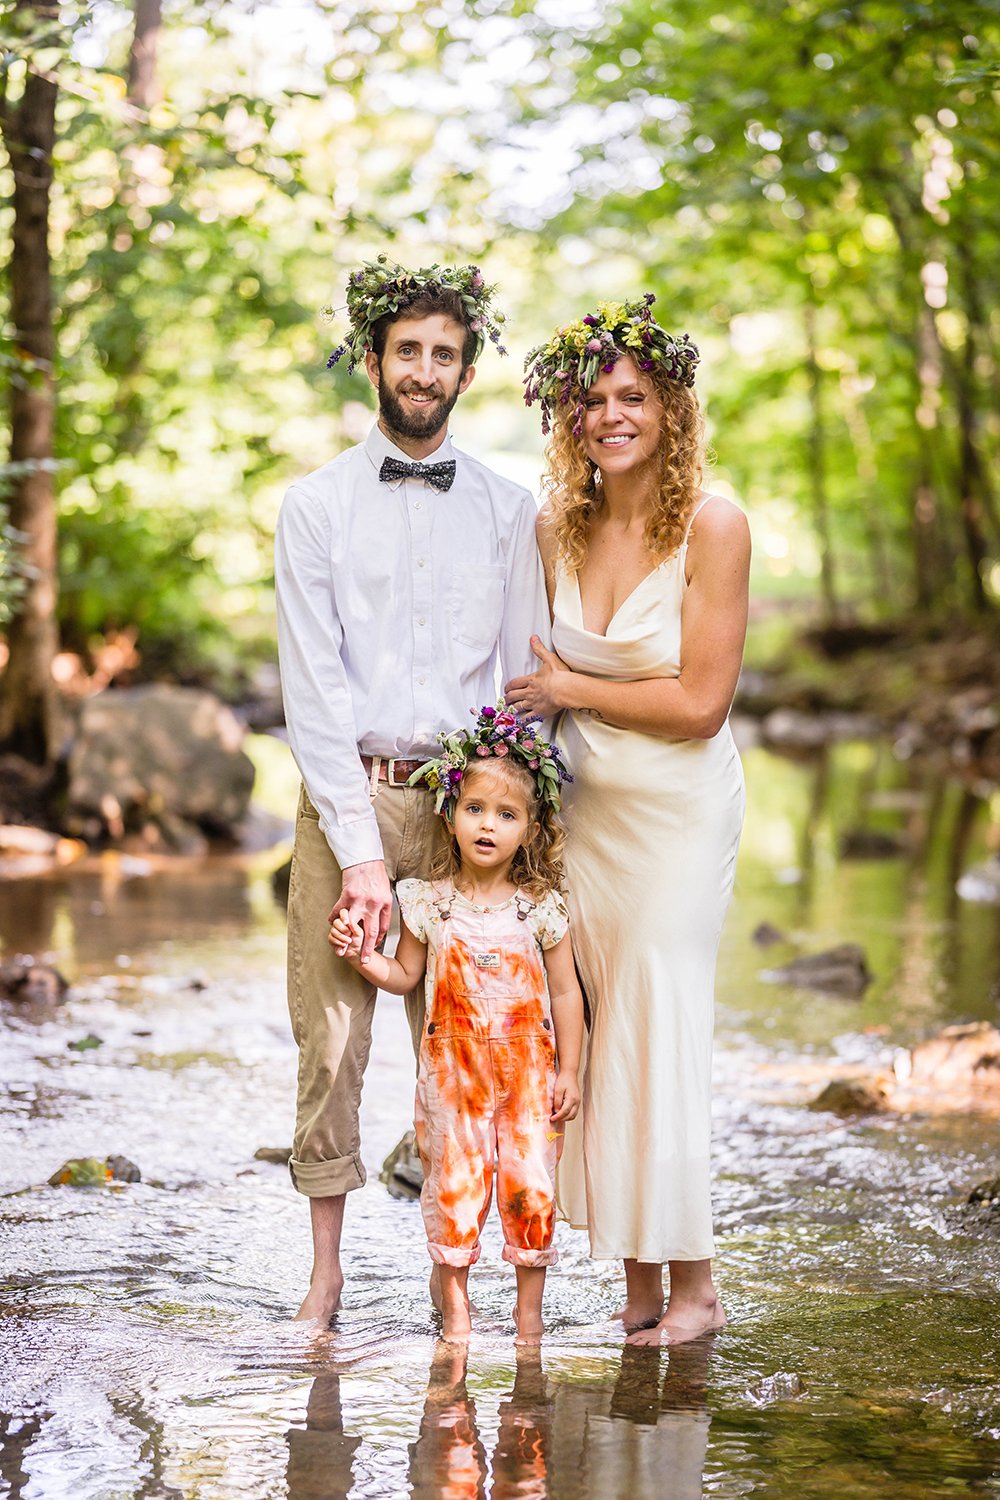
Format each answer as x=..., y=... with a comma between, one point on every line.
x=681, y=1324
x=321, y=1302
x=529, y=1328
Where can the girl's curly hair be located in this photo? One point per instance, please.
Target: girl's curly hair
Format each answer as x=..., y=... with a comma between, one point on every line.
x=537, y=868
x=573, y=489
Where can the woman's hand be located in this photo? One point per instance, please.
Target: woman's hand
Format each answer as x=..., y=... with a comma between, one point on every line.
x=541, y=693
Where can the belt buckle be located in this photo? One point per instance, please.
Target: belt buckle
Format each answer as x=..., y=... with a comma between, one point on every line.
x=390, y=775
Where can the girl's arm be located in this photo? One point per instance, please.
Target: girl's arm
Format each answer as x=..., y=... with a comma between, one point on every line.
x=398, y=975
x=695, y=704
x=567, y=1022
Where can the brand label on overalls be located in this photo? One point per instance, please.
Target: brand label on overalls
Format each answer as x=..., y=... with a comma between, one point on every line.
x=487, y=960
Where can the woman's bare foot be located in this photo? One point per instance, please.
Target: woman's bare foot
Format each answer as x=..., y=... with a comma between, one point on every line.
x=321, y=1302
x=643, y=1295
x=529, y=1327
x=682, y=1322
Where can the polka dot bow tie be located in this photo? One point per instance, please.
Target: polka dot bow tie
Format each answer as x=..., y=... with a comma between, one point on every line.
x=441, y=476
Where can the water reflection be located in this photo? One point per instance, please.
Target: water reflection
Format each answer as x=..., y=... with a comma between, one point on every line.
x=555, y=1439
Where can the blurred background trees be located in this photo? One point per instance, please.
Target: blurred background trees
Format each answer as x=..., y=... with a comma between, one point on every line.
x=806, y=187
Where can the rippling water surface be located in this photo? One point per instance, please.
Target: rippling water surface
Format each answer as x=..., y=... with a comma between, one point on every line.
x=145, y=1342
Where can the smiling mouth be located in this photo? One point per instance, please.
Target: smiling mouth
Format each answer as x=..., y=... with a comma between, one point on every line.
x=421, y=398
x=616, y=439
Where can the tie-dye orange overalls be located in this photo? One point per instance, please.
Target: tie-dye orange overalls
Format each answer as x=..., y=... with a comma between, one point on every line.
x=486, y=1072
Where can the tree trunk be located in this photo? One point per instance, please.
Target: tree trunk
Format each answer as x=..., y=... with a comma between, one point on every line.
x=817, y=466
x=143, y=89
x=28, y=704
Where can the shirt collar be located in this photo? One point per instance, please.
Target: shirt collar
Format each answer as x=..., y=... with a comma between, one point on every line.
x=378, y=447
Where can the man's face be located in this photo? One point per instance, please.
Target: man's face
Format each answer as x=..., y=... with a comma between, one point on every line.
x=419, y=377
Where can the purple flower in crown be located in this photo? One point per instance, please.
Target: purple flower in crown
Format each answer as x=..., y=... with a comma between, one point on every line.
x=591, y=321
x=594, y=346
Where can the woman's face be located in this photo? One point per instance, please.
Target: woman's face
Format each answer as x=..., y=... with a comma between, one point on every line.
x=622, y=419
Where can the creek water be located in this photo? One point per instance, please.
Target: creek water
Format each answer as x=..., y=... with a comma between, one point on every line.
x=145, y=1341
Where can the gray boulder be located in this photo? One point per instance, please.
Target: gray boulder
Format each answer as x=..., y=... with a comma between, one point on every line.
x=160, y=761
x=839, y=971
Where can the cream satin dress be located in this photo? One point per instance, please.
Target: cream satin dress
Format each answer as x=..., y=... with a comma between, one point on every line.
x=653, y=828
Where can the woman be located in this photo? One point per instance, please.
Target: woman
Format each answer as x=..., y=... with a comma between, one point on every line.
x=648, y=585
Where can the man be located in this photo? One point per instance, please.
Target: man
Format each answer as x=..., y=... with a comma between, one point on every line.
x=401, y=569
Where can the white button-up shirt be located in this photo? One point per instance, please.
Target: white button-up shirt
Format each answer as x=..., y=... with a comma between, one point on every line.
x=393, y=599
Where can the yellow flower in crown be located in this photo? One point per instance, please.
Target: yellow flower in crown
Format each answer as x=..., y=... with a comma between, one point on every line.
x=565, y=367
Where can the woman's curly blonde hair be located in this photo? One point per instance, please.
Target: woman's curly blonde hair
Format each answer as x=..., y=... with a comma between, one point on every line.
x=537, y=868
x=573, y=489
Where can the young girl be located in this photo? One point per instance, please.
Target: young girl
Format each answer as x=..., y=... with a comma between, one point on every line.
x=490, y=930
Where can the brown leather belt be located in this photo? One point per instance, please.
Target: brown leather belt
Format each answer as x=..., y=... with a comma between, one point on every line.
x=392, y=772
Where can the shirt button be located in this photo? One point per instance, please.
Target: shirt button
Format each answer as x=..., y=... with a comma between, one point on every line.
x=421, y=562
x=416, y=505
x=422, y=621
x=421, y=680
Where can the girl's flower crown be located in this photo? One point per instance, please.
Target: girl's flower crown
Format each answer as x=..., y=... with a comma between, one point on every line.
x=565, y=367
x=499, y=733
x=379, y=287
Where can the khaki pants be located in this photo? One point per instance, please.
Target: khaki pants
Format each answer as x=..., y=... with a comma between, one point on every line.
x=330, y=1004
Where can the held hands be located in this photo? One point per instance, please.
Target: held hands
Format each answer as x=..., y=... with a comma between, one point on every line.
x=366, y=897
x=541, y=693
x=566, y=1096
x=346, y=937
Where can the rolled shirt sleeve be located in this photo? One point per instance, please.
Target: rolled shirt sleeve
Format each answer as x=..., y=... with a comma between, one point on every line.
x=317, y=697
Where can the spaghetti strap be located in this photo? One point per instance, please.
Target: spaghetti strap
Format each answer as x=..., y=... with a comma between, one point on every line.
x=703, y=501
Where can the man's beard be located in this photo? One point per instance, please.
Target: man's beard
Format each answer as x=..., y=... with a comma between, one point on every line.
x=418, y=424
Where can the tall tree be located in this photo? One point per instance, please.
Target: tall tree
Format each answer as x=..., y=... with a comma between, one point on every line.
x=28, y=706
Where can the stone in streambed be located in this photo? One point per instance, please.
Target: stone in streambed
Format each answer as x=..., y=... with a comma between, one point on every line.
x=765, y=935
x=838, y=971
x=870, y=843
x=401, y=1171
x=959, y=1061
x=850, y=1096
x=89, y=1171
x=987, y=1192
x=28, y=980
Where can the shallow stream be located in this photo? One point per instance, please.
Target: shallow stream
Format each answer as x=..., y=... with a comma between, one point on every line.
x=145, y=1342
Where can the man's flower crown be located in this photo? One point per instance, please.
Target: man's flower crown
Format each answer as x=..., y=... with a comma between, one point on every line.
x=498, y=733
x=379, y=287
x=565, y=367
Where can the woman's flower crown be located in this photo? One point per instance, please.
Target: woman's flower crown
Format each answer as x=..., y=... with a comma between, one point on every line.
x=379, y=287
x=565, y=367
x=498, y=733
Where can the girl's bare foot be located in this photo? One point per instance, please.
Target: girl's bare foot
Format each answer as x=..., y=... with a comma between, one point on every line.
x=456, y=1315
x=529, y=1327
x=435, y=1287
x=321, y=1302
x=682, y=1322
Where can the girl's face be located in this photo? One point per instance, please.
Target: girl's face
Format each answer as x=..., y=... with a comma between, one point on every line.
x=622, y=419
x=491, y=820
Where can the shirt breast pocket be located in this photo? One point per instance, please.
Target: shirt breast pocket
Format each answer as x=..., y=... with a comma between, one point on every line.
x=475, y=603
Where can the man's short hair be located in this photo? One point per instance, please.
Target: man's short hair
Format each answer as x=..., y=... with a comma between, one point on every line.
x=444, y=300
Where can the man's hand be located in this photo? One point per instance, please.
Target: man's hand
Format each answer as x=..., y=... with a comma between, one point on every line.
x=366, y=898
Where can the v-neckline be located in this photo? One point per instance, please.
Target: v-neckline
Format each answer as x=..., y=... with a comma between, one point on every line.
x=602, y=635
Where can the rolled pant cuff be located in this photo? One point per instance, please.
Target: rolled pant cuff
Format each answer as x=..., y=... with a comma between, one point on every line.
x=328, y=1179
x=516, y=1255
x=454, y=1255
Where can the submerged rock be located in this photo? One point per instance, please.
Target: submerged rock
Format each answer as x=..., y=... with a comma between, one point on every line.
x=89, y=1171
x=28, y=980
x=781, y=1386
x=838, y=971
x=851, y=1096
x=401, y=1171
x=279, y=1155
x=987, y=1192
